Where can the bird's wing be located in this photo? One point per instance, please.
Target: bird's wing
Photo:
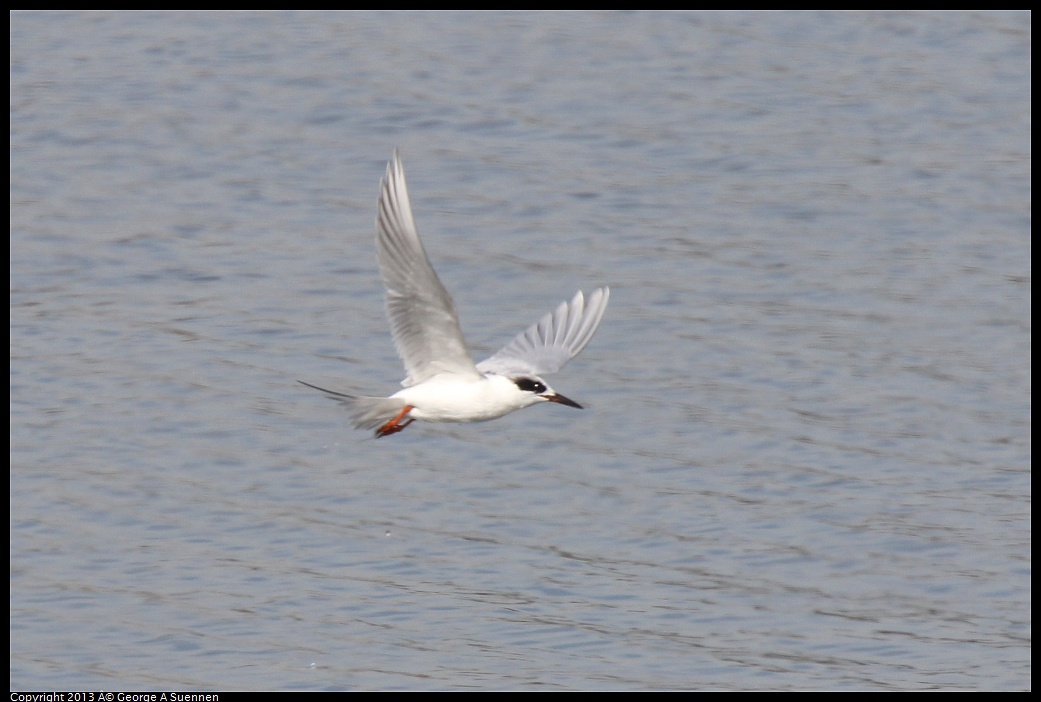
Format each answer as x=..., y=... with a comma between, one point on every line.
x=423, y=320
x=547, y=345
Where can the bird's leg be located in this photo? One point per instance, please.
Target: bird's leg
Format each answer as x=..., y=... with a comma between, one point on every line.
x=393, y=426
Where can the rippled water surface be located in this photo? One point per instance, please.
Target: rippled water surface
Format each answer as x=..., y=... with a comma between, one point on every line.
x=805, y=458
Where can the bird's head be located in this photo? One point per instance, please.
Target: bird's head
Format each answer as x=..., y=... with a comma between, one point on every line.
x=540, y=391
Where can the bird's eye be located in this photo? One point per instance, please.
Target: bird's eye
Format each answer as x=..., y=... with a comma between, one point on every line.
x=530, y=385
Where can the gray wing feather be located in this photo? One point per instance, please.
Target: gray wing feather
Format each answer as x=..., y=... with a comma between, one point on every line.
x=423, y=320
x=547, y=345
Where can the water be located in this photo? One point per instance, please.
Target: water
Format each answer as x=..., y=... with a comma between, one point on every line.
x=805, y=459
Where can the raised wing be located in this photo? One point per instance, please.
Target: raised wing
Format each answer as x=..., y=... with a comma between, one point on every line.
x=547, y=345
x=423, y=320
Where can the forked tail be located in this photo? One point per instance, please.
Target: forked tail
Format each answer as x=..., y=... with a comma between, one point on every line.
x=371, y=412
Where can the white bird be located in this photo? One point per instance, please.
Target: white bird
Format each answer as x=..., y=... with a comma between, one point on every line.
x=444, y=384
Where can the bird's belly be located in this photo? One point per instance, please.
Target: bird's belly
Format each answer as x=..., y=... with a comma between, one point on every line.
x=454, y=402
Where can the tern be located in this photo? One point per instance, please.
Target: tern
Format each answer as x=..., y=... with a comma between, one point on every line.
x=443, y=382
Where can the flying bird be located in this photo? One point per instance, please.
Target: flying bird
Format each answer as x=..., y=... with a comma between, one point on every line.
x=443, y=382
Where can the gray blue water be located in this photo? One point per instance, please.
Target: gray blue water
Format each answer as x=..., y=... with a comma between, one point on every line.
x=805, y=458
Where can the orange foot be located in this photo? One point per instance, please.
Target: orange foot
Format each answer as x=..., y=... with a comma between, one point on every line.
x=394, y=425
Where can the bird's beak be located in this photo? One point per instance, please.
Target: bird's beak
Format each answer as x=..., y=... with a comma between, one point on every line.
x=561, y=400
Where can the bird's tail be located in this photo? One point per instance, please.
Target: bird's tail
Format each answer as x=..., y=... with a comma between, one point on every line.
x=365, y=412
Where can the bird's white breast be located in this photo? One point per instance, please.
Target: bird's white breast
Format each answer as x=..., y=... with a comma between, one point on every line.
x=449, y=398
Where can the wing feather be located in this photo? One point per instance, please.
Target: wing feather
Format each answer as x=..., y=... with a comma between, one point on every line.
x=547, y=345
x=423, y=320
